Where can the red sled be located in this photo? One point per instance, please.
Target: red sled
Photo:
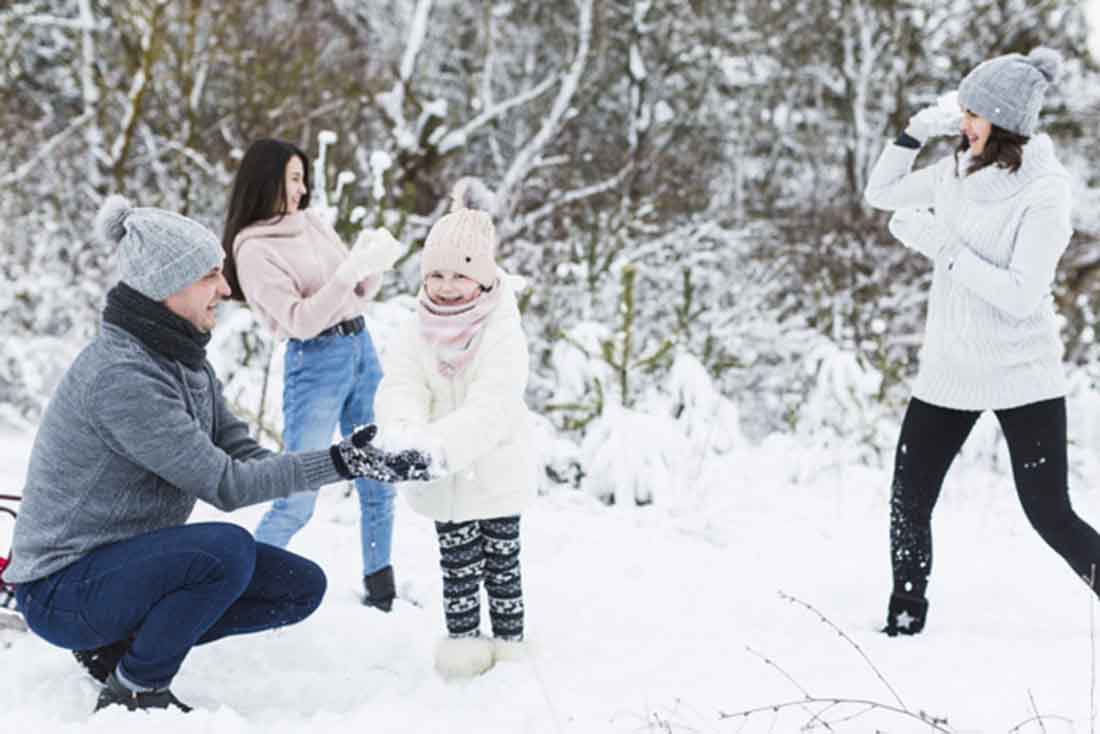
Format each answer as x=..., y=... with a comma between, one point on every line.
x=9, y=616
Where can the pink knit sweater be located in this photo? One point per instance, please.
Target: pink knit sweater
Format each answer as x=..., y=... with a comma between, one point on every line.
x=285, y=267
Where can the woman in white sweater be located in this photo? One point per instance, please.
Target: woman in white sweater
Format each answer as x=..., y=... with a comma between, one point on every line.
x=454, y=384
x=1000, y=222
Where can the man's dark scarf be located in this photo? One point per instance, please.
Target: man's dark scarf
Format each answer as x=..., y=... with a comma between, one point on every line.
x=155, y=326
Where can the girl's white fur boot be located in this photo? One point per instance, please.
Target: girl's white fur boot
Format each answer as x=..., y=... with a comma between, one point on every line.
x=463, y=657
x=508, y=651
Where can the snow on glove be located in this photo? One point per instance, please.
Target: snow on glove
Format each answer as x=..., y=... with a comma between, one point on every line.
x=920, y=230
x=411, y=465
x=936, y=120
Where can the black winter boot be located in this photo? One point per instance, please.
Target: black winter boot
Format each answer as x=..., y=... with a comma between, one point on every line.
x=906, y=614
x=100, y=662
x=380, y=590
x=114, y=692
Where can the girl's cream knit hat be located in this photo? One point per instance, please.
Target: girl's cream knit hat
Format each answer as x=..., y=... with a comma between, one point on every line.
x=465, y=240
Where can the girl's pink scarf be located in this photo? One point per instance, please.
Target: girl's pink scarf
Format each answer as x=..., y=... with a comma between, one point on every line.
x=455, y=331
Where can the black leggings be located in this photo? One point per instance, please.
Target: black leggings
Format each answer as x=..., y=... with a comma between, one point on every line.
x=479, y=551
x=930, y=438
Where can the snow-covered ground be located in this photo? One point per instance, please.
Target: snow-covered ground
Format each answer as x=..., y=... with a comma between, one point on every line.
x=645, y=619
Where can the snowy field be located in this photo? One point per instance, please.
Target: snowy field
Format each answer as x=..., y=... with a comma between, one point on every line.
x=656, y=619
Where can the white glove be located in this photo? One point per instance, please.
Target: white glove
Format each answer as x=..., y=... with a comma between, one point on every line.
x=939, y=119
x=374, y=251
x=918, y=229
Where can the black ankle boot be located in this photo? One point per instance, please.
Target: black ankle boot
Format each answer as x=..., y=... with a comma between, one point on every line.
x=100, y=662
x=905, y=615
x=115, y=693
x=380, y=590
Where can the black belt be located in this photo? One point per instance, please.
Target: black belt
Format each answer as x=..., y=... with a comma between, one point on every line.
x=346, y=328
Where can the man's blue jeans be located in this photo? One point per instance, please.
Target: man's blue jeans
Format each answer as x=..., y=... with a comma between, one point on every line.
x=331, y=380
x=170, y=590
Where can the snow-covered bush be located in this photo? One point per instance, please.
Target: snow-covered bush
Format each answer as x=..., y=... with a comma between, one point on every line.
x=842, y=412
x=1083, y=426
x=656, y=450
x=29, y=371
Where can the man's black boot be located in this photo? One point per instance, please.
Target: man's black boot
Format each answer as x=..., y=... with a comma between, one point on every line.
x=100, y=662
x=115, y=693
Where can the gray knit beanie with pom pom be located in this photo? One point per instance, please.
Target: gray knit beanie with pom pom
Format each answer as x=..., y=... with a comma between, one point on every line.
x=159, y=252
x=1008, y=90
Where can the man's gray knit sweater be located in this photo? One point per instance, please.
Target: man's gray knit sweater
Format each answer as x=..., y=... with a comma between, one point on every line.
x=991, y=339
x=129, y=442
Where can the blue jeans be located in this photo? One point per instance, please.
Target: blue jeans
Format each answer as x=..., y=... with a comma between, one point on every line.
x=168, y=591
x=331, y=380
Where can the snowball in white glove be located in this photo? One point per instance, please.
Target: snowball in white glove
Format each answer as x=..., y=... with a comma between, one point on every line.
x=918, y=229
x=941, y=118
x=382, y=249
x=374, y=251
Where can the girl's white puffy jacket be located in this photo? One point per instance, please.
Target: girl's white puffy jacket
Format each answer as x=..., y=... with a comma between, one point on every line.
x=478, y=418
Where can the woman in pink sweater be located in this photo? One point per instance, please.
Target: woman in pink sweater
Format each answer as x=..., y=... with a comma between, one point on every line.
x=307, y=287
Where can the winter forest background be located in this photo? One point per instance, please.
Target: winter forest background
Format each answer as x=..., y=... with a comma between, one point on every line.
x=679, y=180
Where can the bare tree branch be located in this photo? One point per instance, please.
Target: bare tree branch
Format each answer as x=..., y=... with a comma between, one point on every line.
x=449, y=140
x=47, y=149
x=139, y=85
x=850, y=641
x=934, y=723
x=521, y=165
x=514, y=227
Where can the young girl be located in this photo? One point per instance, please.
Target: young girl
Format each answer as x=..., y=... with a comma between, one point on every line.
x=455, y=380
x=306, y=287
x=1001, y=223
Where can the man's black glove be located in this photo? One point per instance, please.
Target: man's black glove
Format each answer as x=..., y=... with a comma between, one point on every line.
x=355, y=457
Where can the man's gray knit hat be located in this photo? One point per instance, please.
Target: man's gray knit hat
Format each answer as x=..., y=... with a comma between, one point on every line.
x=1008, y=90
x=159, y=252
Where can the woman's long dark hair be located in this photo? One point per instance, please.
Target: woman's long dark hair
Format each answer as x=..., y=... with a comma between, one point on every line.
x=1003, y=149
x=258, y=193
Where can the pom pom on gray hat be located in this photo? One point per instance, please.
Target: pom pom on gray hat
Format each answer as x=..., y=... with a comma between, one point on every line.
x=110, y=222
x=159, y=252
x=1047, y=61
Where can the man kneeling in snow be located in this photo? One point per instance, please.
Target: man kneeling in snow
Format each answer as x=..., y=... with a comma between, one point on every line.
x=138, y=431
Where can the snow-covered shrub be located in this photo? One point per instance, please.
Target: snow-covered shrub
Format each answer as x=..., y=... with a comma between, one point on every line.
x=1083, y=426
x=709, y=420
x=249, y=362
x=560, y=457
x=654, y=451
x=30, y=369
x=841, y=412
x=629, y=457
x=579, y=376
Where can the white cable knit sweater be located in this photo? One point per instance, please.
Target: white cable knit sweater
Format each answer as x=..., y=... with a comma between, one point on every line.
x=991, y=335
